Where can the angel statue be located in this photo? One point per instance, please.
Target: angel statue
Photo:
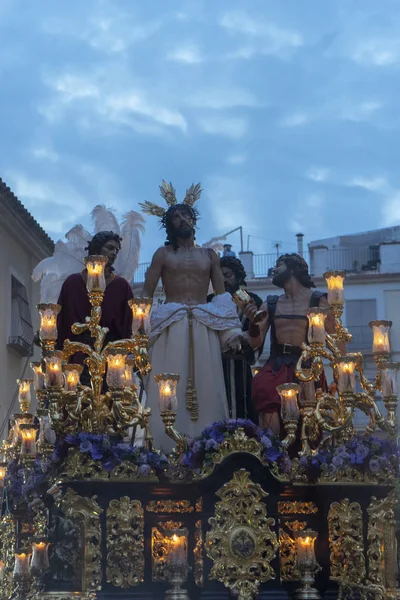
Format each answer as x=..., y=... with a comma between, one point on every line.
x=63, y=276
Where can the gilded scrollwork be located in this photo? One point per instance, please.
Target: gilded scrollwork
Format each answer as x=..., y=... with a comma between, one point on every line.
x=160, y=545
x=125, y=543
x=286, y=507
x=287, y=548
x=238, y=442
x=346, y=541
x=382, y=543
x=7, y=550
x=241, y=543
x=198, y=552
x=169, y=506
x=86, y=512
x=199, y=504
x=79, y=465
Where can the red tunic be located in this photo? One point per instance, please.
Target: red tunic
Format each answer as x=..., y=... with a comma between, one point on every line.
x=116, y=313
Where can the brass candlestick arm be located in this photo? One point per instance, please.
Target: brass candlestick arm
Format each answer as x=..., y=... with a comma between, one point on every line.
x=291, y=429
x=168, y=418
x=341, y=333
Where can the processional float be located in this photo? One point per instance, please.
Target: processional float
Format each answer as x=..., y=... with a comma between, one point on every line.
x=235, y=512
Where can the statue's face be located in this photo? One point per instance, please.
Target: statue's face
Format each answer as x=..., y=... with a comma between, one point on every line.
x=230, y=281
x=182, y=222
x=281, y=274
x=110, y=249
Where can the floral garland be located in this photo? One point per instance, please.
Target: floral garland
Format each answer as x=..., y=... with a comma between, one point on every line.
x=367, y=456
x=199, y=453
x=370, y=456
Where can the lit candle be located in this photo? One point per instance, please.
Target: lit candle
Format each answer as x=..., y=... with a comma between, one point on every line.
x=3, y=473
x=381, y=344
x=38, y=376
x=316, y=325
x=255, y=370
x=289, y=404
x=40, y=556
x=177, y=554
x=141, y=308
x=24, y=393
x=48, y=321
x=72, y=374
x=389, y=375
x=21, y=565
x=2, y=570
x=167, y=383
x=346, y=367
x=334, y=280
x=305, y=548
x=28, y=439
x=116, y=368
x=95, y=265
x=128, y=374
x=54, y=374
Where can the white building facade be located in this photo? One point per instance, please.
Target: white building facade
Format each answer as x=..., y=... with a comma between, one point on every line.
x=23, y=243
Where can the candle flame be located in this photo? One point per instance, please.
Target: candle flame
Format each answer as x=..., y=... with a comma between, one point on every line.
x=175, y=538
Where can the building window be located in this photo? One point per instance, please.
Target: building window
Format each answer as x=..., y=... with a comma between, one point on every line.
x=358, y=314
x=21, y=335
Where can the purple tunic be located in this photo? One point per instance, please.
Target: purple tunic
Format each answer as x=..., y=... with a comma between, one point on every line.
x=74, y=300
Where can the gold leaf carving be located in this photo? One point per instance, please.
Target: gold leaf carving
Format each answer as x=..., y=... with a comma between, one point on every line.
x=86, y=512
x=241, y=543
x=125, y=543
x=169, y=506
x=346, y=541
x=296, y=508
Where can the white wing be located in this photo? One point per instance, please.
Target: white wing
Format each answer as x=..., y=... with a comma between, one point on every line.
x=53, y=271
x=104, y=219
x=78, y=239
x=127, y=262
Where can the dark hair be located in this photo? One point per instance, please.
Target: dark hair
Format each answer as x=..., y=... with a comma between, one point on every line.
x=299, y=268
x=100, y=239
x=235, y=265
x=166, y=222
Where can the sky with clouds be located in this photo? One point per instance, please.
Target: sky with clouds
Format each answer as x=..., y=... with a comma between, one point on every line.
x=285, y=110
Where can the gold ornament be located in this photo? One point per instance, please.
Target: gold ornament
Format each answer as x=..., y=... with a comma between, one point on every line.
x=169, y=506
x=86, y=512
x=198, y=552
x=296, y=508
x=346, y=541
x=125, y=543
x=241, y=543
x=382, y=555
x=167, y=191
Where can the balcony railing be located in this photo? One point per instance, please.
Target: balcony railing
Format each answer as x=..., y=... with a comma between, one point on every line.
x=352, y=260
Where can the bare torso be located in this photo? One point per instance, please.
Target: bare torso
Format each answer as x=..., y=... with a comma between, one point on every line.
x=292, y=331
x=186, y=275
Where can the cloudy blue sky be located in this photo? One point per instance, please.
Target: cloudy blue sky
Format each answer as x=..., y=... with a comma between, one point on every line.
x=285, y=110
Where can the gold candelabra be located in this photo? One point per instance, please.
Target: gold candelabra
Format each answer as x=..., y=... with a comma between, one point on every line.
x=334, y=410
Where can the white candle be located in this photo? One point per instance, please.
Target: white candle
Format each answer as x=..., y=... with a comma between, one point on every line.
x=38, y=376
x=316, y=325
x=48, y=321
x=381, y=343
x=28, y=439
x=141, y=308
x=21, y=565
x=167, y=383
x=346, y=374
x=96, y=281
x=305, y=548
x=116, y=369
x=40, y=557
x=54, y=374
x=307, y=392
x=389, y=375
x=334, y=280
x=72, y=374
x=24, y=393
x=289, y=401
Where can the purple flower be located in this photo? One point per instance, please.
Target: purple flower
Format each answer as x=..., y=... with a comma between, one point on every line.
x=374, y=465
x=361, y=452
x=303, y=461
x=85, y=446
x=144, y=471
x=211, y=445
x=337, y=461
x=197, y=446
x=266, y=442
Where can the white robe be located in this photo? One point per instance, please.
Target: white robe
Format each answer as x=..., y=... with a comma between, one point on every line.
x=215, y=326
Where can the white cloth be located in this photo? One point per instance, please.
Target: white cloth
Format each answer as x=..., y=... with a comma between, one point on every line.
x=214, y=324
